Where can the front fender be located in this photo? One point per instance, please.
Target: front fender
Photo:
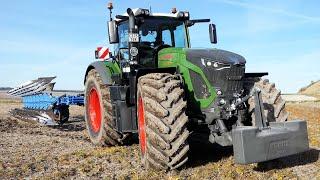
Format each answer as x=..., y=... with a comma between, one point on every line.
x=105, y=70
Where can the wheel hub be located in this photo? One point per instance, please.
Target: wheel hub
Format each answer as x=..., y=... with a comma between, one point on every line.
x=94, y=110
x=141, y=123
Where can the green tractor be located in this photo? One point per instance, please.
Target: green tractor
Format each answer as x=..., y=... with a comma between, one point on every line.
x=156, y=86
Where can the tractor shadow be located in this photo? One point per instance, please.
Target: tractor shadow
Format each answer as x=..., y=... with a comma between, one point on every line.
x=75, y=123
x=202, y=153
x=304, y=158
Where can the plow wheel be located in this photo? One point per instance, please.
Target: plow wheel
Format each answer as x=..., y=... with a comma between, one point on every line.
x=162, y=121
x=274, y=105
x=98, y=112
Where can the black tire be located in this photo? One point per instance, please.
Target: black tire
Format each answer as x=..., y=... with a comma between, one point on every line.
x=102, y=133
x=161, y=107
x=274, y=105
x=63, y=115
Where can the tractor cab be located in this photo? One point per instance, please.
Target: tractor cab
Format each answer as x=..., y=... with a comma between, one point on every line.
x=139, y=35
x=155, y=34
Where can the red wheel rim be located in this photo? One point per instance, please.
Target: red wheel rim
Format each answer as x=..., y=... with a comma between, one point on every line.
x=142, y=126
x=94, y=110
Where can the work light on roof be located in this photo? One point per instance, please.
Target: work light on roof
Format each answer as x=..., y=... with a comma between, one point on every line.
x=183, y=15
x=143, y=12
x=174, y=10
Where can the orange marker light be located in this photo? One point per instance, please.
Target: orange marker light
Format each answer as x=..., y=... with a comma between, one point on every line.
x=110, y=6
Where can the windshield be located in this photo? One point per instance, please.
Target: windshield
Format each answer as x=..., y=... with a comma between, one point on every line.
x=155, y=32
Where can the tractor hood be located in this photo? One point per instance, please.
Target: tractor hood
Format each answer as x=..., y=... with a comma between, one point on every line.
x=215, y=55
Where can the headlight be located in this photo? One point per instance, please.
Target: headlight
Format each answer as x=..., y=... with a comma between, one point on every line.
x=143, y=12
x=146, y=12
x=180, y=15
x=217, y=65
x=183, y=15
x=186, y=14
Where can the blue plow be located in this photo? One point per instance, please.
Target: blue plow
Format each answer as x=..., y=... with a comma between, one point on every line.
x=40, y=104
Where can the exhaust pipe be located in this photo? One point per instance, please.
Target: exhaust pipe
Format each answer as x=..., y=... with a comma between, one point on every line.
x=133, y=38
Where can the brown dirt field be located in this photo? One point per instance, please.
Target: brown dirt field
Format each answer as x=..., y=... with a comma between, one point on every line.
x=309, y=111
x=38, y=152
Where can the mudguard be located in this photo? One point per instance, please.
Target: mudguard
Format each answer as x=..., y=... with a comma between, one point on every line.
x=101, y=68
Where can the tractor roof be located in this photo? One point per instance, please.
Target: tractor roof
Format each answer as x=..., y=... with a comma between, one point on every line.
x=139, y=11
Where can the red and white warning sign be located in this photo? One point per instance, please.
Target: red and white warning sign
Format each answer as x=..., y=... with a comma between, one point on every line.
x=102, y=53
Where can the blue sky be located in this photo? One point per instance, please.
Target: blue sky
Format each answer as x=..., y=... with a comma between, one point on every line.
x=46, y=38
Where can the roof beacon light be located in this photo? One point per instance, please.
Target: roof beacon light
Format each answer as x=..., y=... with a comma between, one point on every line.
x=110, y=6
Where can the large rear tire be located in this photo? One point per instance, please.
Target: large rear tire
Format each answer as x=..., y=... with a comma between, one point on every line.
x=162, y=121
x=274, y=105
x=98, y=112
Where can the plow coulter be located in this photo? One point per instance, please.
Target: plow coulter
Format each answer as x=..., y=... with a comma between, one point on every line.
x=42, y=104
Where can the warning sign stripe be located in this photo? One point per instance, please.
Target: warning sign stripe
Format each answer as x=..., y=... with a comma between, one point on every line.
x=103, y=52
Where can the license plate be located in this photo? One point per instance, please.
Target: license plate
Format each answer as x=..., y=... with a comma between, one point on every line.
x=133, y=37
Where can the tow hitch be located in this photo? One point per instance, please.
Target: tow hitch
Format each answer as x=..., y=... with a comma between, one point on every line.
x=268, y=140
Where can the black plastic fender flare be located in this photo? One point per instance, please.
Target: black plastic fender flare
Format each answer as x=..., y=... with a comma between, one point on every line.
x=103, y=71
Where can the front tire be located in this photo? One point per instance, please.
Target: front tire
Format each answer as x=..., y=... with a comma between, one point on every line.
x=274, y=105
x=98, y=112
x=162, y=121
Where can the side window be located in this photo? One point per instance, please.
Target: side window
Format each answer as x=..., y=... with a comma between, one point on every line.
x=123, y=35
x=179, y=36
x=166, y=37
x=123, y=41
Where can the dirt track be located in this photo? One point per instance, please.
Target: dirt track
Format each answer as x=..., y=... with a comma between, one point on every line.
x=31, y=150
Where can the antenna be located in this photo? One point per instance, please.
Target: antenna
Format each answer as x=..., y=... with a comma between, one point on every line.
x=150, y=9
x=110, y=7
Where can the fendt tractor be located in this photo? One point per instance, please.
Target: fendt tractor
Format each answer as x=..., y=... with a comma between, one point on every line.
x=155, y=85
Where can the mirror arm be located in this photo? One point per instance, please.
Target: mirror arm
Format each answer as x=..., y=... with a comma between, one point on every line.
x=190, y=23
x=122, y=17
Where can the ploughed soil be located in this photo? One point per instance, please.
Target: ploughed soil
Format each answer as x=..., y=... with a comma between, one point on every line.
x=29, y=150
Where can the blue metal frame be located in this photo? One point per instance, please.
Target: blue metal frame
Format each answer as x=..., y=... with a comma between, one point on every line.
x=45, y=101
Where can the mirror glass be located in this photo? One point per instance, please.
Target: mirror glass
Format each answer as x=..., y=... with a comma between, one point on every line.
x=213, y=33
x=113, y=32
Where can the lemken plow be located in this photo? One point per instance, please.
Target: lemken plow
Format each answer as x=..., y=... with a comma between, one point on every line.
x=42, y=104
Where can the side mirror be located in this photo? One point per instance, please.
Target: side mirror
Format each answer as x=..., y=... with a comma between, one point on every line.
x=113, y=32
x=213, y=33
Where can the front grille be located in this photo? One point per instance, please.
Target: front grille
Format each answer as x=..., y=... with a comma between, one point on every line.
x=228, y=80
